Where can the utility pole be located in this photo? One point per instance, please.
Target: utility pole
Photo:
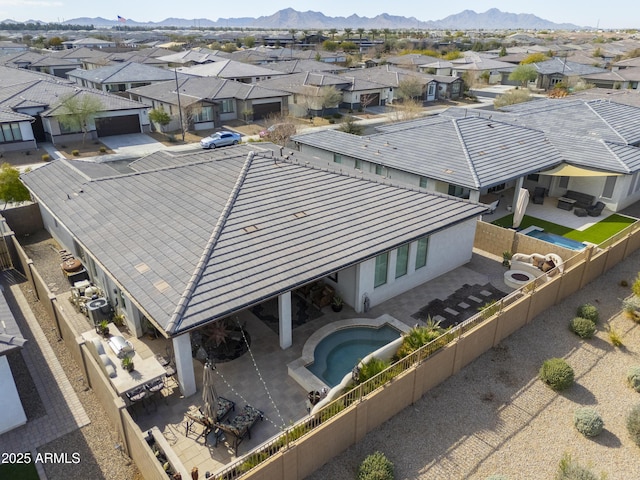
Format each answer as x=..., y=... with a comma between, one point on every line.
x=175, y=70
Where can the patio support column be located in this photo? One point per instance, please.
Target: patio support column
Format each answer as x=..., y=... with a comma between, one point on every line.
x=474, y=195
x=284, y=314
x=184, y=364
x=516, y=191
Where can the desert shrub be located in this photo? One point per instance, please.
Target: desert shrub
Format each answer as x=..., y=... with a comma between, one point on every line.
x=631, y=307
x=75, y=153
x=103, y=149
x=589, y=312
x=556, y=373
x=45, y=157
x=419, y=336
x=337, y=115
x=633, y=424
x=614, y=337
x=635, y=286
x=633, y=378
x=372, y=368
x=582, y=327
x=376, y=467
x=570, y=470
x=588, y=422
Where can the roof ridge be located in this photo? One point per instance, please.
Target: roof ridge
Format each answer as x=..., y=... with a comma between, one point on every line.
x=465, y=150
x=619, y=135
x=174, y=321
x=625, y=167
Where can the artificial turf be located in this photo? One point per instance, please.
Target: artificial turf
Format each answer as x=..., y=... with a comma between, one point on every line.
x=596, y=234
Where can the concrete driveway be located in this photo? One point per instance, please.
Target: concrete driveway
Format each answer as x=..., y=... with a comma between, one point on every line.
x=133, y=143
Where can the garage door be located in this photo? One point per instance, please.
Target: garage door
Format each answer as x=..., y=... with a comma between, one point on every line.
x=370, y=99
x=263, y=110
x=117, y=125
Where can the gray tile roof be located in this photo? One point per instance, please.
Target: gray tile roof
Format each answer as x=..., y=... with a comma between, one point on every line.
x=472, y=152
x=391, y=76
x=123, y=73
x=11, y=338
x=568, y=68
x=229, y=69
x=7, y=115
x=297, y=66
x=187, y=224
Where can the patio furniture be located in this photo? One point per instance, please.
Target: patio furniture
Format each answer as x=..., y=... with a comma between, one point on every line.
x=323, y=296
x=565, y=203
x=582, y=200
x=538, y=195
x=225, y=406
x=595, y=210
x=493, y=206
x=240, y=426
x=580, y=212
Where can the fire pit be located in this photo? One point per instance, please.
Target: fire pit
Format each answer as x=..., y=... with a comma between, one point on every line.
x=517, y=278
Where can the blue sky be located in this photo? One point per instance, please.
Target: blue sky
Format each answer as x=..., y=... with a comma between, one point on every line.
x=570, y=11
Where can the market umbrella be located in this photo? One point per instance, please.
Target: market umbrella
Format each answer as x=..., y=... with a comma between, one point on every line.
x=209, y=395
x=521, y=206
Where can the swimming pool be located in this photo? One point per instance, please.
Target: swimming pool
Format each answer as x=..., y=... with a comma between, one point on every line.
x=555, y=239
x=337, y=354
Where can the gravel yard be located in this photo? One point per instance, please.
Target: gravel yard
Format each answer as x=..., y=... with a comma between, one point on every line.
x=496, y=417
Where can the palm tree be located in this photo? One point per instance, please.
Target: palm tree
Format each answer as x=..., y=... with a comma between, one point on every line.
x=360, y=33
x=333, y=32
x=374, y=32
x=386, y=32
x=347, y=32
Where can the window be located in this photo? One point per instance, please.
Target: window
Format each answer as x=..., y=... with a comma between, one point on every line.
x=69, y=126
x=205, y=114
x=534, y=177
x=564, y=182
x=456, y=191
x=10, y=132
x=382, y=265
x=455, y=87
x=402, y=260
x=421, y=253
x=423, y=182
x=609, y=186
x=358, y=164
x=378, y=169
x=337, y=158
x=228, y=106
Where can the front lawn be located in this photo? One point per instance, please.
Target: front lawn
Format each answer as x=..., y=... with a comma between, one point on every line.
x=596, y=234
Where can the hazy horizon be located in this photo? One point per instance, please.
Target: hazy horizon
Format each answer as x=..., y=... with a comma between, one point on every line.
x=581, y=13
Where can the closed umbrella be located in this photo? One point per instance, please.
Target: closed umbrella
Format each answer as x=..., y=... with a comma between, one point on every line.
x=209, y=395
x=521, y=206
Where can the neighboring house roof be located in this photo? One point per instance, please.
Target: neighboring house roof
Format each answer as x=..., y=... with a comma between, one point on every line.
x=81, y=42
x=391, y=76
x=629, y=62
x=310, y=83
x=7, y=115
x=297, y=66
x=471, y=152
x=196, y=89
x=567, y=68
x=623, y=96
x=127, y=72
x=190, y=56
x=268, y=226
x=20, y=58
x=11, y=338
x=631, y=74
x=412, y=59
x=229, y=69
x=479, y=63
x=79, y=53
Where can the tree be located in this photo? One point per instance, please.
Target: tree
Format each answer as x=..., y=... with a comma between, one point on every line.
x=374, y=32
x=347, y=32
x=160, y=117
x=11, y=188
x=524, y=74
x=330, y=96
x=349, y=126
x=386, y=32
x=512, y=97
x=348, y=46
x=534, y=58
x=409, y=88
x=408, y=110
x=360, y=32
x=503, y=52
x=249, y=42
x=333, y=32
x=330, y=45
x=77, y=110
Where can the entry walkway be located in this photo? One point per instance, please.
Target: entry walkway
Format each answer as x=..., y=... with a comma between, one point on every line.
x=64, y=412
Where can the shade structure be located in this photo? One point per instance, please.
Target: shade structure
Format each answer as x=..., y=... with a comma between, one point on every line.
x=566, y=170
x=209, y=395
x=521, y=206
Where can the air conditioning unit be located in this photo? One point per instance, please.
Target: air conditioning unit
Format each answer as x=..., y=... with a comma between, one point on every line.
x=98, y=310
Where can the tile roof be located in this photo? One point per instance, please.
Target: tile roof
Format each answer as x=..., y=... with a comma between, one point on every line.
x=472, y=152
x=123, y=73
x=229, y=69
x=218, y=236
x=10, y=336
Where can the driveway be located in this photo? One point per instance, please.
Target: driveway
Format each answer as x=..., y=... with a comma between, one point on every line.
x=133, y=143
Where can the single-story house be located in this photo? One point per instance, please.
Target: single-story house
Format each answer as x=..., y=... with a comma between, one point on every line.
x=193, y=57
x=7, y=47
x=556, y=70
x=88, y=43
x=622, y=79
x=207, y=101
x=16, y=133
x=232, y=70
x=120, y=77
x=480, y=67
x=183, y=255
x=411, y=61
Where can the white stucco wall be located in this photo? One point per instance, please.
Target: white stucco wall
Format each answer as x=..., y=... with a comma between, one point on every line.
x=11, y=414
x=26, y=131
x=447, y=250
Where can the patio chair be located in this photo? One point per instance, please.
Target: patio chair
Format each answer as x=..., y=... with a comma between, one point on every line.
x=239, y=427
x=538, y=195
x=595, y=210
x=492, y=207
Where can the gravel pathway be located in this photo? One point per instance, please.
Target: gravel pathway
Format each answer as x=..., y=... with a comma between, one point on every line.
x=496, y=417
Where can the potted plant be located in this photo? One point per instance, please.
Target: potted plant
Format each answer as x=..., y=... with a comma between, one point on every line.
x=506, y=258
x=103, y=328
x=337, y=303
x=127, y=363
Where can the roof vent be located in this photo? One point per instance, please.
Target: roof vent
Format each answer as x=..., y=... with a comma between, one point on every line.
x=250, y=228
x=162, y=286
x=448, y=171
x=299, y=214
x=142, y=268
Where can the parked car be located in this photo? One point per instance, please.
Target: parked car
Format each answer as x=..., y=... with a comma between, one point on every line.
x=278, y=130
x=220, y=139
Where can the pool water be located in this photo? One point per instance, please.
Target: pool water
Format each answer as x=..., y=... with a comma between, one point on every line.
x=340, y=351
x=556, y=239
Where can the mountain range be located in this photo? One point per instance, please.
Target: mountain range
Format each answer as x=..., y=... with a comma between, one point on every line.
x=492, y=19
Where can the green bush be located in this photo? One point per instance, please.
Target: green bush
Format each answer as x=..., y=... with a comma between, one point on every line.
x=103, y=149
x=588, y=422
x=582, y=327
x=633, y=424
x=589, y=312
x=376, y=467
x=570, y=470
x=372, y=368
x=45, y=157
x=337, y=115
x=633, y=378
x=75, y=153
x=556, y=373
